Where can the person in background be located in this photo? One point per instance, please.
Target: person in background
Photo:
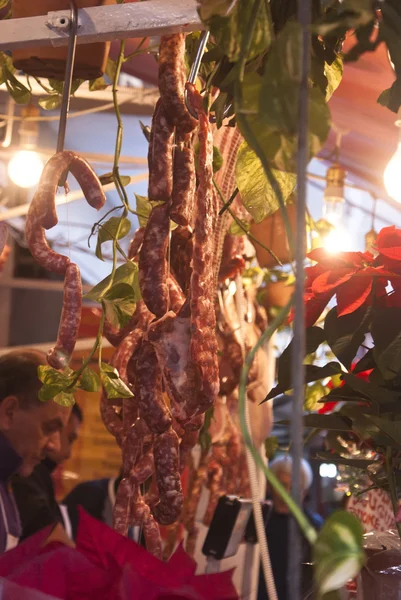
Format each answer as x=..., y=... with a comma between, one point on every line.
x=277, y=530
x=97, y=497
x=29, y=429
x=35, y=495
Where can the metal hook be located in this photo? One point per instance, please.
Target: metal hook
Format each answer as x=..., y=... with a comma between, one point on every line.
x=193, y=74
x=69, y=68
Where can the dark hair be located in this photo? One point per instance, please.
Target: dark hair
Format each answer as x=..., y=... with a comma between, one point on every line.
x=77, y=411
x=19, y=376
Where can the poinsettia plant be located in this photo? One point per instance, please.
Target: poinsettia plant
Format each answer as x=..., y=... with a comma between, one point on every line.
x=363, y=331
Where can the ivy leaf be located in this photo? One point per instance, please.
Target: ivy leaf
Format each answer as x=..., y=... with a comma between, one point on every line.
x=50, y=102
x=113, y=385
x=237, y=229
x=314, y=393
x=334, y=74
x=257, y=194
x=228, y=25
x=98, y=84
x=111, y=69
x=143, y=208
x=65, y=399
x=108, y=231
x=56, y=85
x=16, y=89
x=89, y=380
x=217, y=158
x=127, y=273
x=205, y=439
x=338, y=553
x=271, y=445
x=119, y=304
x=49, y=376
x=145, y=130
x=109, y=178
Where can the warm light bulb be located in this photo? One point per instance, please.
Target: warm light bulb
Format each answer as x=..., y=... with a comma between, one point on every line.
x=392, y=175
x=337, y=240
x=25, y=168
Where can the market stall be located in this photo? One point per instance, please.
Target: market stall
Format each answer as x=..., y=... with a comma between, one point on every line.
x=170, y=349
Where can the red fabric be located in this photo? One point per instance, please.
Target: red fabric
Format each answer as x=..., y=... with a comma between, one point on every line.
x=107, y=566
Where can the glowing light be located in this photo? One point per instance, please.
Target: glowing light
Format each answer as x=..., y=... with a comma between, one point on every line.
x=25, y=168
x=328, y=470
x=392, y=175
x=337, y=240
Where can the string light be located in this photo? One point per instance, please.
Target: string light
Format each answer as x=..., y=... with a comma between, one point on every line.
x=26, y=166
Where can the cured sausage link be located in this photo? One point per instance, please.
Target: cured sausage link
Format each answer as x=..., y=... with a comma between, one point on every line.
x=184, y=181
x=44, y=199
x=40, y=249
x=153, y=263
x=166, y=457
x=58, y=357
x=172, y=78
x=160, y=156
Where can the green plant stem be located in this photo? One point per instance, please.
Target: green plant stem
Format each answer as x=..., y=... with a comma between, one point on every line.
x=229, y=202
x=242, y=226
x=303, y=522
x=392, y=486
x=246, y=128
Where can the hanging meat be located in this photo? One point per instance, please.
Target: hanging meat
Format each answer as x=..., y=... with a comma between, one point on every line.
x=42, y=215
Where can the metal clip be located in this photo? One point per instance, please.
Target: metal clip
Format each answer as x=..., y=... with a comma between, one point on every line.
x=193, y=74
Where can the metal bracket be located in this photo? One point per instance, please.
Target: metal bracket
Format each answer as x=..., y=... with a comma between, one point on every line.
x=102, y=24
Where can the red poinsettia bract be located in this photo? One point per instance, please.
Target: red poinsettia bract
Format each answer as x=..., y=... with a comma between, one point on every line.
x=354, y=277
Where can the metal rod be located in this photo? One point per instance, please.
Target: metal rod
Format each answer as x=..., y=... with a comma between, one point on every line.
x=297, y=367
x=69, y=68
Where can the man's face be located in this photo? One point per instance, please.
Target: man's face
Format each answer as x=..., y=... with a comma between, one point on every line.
x=278, y=503
x=33, y=432
x=68, y=436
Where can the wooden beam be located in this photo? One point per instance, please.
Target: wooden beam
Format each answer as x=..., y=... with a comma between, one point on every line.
x=102, y=23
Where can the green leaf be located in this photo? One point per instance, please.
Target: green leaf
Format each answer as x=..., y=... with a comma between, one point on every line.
x=98, y=84
x=390, y=428
x=334, y=422
x=374, y=392
x=111, y=69
x=313, y=394
x=143, y=208
x=341, y=460
x=334, y=74
x=127, y=273
x=386, y=333
x=16, y=89
x=271, y=445
x=257, y=194
x=217, y=158
x=56, y=85
x=315, y=336
x=205, y=439
x=89, y=380
x=229, y=26
x=108, y=178
x=345, y=334
x=338, y=553
x=112, y=384
x=145, y=130
x=239, y=228
x=50, y=102
x=108, y=231
x=312, y=373
x=119, y=304
x=65, y=399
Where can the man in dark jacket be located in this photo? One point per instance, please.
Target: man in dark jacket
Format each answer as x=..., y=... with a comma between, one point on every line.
x=29, y=429
x=35, y=495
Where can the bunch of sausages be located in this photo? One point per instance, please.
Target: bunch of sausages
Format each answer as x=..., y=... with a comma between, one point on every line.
x=42, y=216
x=167, y=354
